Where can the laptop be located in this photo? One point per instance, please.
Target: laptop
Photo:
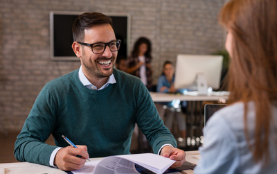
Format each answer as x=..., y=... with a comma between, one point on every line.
x=210, y=109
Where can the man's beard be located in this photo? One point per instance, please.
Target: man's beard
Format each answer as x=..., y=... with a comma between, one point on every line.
x=95, y=68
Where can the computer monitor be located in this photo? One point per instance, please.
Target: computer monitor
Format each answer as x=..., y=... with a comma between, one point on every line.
x=198, y=72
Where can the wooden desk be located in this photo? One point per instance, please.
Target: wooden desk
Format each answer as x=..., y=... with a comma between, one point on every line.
x=30, y=168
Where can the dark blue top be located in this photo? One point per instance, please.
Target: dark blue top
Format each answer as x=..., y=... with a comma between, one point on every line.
x=163, y=82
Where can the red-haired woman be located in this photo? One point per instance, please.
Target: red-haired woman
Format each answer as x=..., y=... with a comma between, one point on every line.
x=241, y=138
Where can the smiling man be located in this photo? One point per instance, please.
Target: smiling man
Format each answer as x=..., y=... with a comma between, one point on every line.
x=97, y=61
x=95, y=106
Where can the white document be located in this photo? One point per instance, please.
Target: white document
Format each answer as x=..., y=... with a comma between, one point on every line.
x=125, y=164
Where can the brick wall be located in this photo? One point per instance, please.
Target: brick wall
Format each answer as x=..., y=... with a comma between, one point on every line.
x=174, y=27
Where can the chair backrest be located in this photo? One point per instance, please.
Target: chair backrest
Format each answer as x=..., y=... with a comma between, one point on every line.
x=210, y=109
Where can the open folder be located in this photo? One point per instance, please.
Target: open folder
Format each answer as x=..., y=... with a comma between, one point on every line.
x=126, y=164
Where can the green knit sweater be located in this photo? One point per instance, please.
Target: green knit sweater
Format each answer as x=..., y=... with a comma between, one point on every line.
x=103, y=120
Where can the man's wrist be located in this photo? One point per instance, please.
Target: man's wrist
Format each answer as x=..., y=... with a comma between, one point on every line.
x=159, y=152
x=52, y=157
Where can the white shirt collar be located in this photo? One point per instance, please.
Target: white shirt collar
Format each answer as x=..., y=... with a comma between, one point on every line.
x=89, y=85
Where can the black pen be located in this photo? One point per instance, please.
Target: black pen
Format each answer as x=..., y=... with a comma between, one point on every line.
x=70, y=143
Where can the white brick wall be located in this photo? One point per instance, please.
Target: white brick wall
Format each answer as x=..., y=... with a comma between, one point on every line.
x=174, y=27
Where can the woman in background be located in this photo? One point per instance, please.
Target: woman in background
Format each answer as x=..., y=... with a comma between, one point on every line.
x=241, y=138
x=139, y=63
x=171, y=109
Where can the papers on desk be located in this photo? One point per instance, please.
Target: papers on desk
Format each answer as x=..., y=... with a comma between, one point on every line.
x=126, y=164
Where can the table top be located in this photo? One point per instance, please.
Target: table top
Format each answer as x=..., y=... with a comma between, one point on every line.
x=30, y=168
x=189, y=96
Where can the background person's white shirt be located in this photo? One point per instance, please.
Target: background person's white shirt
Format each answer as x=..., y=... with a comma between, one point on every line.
x=142, y=71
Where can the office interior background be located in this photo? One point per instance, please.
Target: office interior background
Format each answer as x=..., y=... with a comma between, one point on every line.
x=173, y=26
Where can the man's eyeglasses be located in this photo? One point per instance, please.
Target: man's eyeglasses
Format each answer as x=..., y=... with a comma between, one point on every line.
x=99, y=48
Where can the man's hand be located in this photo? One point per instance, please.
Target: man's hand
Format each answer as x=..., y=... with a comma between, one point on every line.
x=175, y=154
x=66, y=159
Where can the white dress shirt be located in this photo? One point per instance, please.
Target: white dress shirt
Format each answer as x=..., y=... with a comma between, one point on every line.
x=142, y=71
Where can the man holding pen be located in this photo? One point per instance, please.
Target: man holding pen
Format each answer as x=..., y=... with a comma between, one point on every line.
x=95, y=106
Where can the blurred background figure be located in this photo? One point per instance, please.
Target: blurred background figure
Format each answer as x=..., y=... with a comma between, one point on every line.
x=121, y=63
x=171, y=111
x=139, y=63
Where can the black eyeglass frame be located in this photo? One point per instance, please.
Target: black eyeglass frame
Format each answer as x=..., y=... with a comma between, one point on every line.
x=118, y=42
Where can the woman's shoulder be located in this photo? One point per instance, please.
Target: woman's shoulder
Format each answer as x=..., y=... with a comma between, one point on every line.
x=131, y=59
x=161, y=78
x=232, y=117
x=148, y=59
x=231, y=112
x=235, y=108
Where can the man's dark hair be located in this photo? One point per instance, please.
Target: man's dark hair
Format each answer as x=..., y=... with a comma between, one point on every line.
x=87, y=20
x=165, y=63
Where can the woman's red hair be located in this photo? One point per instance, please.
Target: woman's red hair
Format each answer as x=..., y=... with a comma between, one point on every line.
x=253, y=66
